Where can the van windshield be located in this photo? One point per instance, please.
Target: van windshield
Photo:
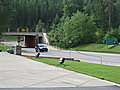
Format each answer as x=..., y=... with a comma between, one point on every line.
x=41, y=45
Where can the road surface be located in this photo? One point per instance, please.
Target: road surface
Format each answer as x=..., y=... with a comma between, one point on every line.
x=92, y=57
x=108, y=59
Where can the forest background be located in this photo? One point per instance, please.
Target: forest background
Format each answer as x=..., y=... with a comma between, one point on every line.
x=69, y=23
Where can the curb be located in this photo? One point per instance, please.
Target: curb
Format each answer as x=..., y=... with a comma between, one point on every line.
x=70, y=59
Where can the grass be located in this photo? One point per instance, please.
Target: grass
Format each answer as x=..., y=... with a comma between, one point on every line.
x=106, y=72
x=8, y=38
x=99, y=48
x=25, y=51
x=11, y=38
x=4, y=47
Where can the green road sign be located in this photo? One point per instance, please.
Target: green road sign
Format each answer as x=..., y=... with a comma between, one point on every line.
x=110, y=41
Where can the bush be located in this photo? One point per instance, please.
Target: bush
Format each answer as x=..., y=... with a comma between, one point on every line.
x=114, y=33
x=80, y=29
x=99, y=36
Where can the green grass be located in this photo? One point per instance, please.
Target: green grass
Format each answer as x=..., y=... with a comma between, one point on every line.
x=99, y=48
x=25, y=51
x=11, y=38
x=8, y=38
x=4, y=47
x=106, y=72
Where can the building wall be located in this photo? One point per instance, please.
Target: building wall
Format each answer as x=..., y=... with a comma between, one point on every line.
x=29, y=41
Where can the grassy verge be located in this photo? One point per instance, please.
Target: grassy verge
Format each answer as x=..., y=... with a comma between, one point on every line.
x=99, y=48
x=4, y=47
x=8, y=38
x=110, y=73
x=25, y=51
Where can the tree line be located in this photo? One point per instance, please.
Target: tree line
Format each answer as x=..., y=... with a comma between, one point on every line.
x=68, y=22
x=30, y=13
x=86, y=21
x=5, y=14
x=33, y=13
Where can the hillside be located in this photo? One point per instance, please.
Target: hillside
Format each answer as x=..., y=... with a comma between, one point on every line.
x=99, y=48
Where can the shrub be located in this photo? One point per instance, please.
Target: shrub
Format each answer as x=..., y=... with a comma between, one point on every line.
x=114, y=33
x=80, y=29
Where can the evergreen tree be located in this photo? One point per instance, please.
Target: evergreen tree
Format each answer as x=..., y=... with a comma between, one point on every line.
x=71, y=6
x=29, y=12
x=5, y=14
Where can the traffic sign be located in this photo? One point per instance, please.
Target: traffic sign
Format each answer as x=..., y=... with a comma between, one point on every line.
x=110, y=41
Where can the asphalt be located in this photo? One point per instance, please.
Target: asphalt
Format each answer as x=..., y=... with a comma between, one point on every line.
x=20, y=73
x=105, y=59
x=91, y=57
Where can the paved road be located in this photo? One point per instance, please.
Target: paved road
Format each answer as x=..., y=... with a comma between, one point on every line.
x=108, y=59
x=19, y=72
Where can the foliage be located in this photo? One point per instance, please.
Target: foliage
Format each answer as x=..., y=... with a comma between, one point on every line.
x=103, y=14
x=40, y=26
x=117, y=14
x=71, y=6
x=56, y=19
x=60, y=18
x=29, y=12
x=99, y=36
x=104, y=17
x=80, y=29
x=114, y=33
x=5, y=13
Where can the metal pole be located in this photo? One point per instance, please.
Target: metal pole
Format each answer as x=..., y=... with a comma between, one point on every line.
x=101, y=60
x=70, y=42
x=70, y=53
